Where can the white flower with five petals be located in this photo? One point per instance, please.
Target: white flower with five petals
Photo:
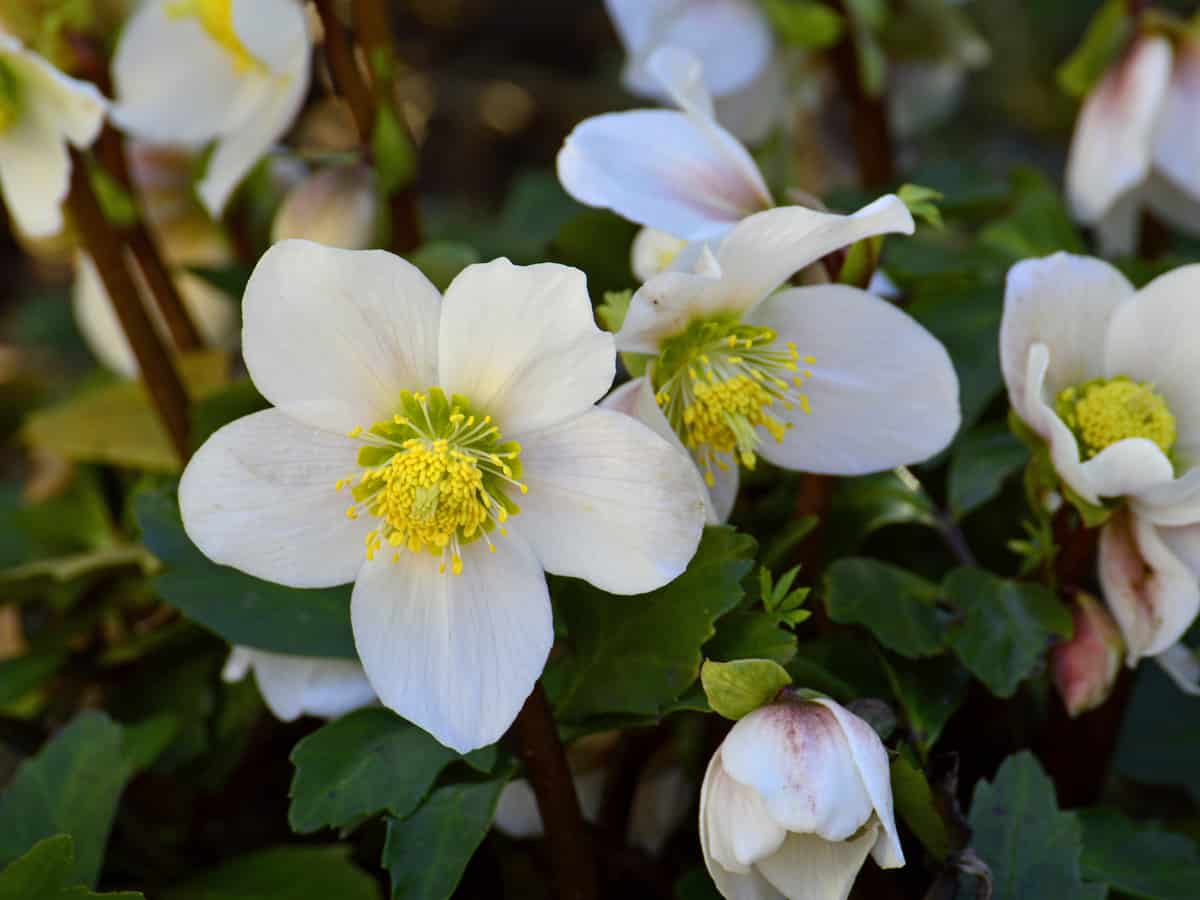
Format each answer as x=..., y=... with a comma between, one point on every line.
x=294, y=686
x=41, y=111
x=794, y=800
x=439, y=452
x=1108, y=376
x=231, y=71
x=826, y=379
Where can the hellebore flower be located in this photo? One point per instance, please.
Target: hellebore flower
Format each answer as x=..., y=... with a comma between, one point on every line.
x=294, y=686
x=795, y=798
x=1085, y=667
x=232, y=71
x=41, y=110
x=826, y=379
x=1137, y=144
x=731, y=38
x=1108, y=376
x=407, y=428
x=335, y=206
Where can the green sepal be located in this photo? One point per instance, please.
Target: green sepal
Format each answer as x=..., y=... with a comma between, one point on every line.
x=735, y=689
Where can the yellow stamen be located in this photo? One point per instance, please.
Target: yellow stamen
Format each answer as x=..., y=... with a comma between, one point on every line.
x=1105, y=411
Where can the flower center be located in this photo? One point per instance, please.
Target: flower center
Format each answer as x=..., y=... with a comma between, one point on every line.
x=436, y=475
x=1105, y=411
x=216, y=17
x=10, y=97
x=717, y=383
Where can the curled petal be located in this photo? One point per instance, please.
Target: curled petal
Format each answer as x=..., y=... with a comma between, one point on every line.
x=807, y=867
x=740, y=829
x=1177, y=133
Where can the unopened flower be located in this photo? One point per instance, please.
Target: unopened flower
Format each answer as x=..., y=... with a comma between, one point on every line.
x=1137, y=145
x=1108, y=376
x=826, y=379
x=294, y=686
x=1085, y=667
x=795, y=798
x=231, y=71
x=440, y=453
x=731, y=38
x=41, y=111
x=335, y=206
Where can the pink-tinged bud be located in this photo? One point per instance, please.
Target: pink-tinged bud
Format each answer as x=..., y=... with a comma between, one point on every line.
x=335, y=206
x=1085, y=667
x=794, y=800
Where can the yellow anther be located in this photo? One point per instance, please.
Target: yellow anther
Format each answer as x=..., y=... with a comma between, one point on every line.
x=355, y=431
x=352, y=512
x=1105, y=411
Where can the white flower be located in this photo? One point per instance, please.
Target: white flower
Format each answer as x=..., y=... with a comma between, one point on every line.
x=826, y=379
x=1137, y=144
x=678, y=172
x=335, y=206
x=436, y=417
x=41, y=110
x=793, y=801
x=294, y=686
x=731, y=38
x=231, y=71
x=1109, y=378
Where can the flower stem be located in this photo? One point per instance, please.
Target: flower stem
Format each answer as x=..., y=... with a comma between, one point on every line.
x=571, y=850
x=869, y=119
x=347, y=78
x=103, y=244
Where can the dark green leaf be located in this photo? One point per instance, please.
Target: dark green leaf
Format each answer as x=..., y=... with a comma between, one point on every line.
x=1108, y=32
x=637, y=654
x=811, y=25
x=982, y=460
x=364, y=762
x=915, y=805
x=751, y=635
x=929, y=693
x=1031, y=848
x=21, y=675
x=240, y=608
x=427, y=852
x=46, y=873
x=863, y=505
x=898, y=607
x=1006, y=626
x=441, y=261
x=282, y=873
x=696, y=885
x=393, y=152
x=1038, y=224
x=1160, y=736
x=1140, y=859
x=597, y=241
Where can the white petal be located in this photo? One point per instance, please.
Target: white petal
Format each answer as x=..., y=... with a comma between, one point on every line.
x=259, y=496
x=739, y=828
x=334, y=206
x=1177, y=135
x=677, y=173
x=681, y=75
x=871, y=758
x=883, y=393
x=1180, y=663
x=1128, y=467
x=455, y=654
x=173, y=82
x=1064, y=449
x=517, y=813
x=1153, y=595
x=664, y=305
x=661, y=801
x=751, y=112
x=1152, y=338
x=1112, y=145
x=609, y=501
x=924, y=93
x=69, y=106
x=796, y=755
x=807, y=867
x=293, y=686
x=652, y=252
x=1065, y=302
x=35, y=173
x=1174, y=503
x=521, y=344
x=237, y=664
x=332, y=337
x=275, y=32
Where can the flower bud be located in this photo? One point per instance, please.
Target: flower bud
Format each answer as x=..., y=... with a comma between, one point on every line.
x=794, y=800
x=1085, y=667
x=335, y=206
x=293, y=686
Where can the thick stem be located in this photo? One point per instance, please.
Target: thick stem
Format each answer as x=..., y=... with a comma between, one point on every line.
x=347, y=78
x=869, y=119
x=571, y=850
x=104, y=246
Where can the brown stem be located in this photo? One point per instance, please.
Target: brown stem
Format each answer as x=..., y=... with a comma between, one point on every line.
x=107, y=252
x=869, y=119
x=571, y=853
x=347, y=78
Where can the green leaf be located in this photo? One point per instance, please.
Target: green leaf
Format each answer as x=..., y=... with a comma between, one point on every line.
x=751, y=635
x=1006, y=626
x=1107, y=34
x=922, y=203
x=813, y=26
x=1038, y=224
x=1160, y=735
x=427, y=852
x=916, y=807
x=71, y=786
x=929, y=693
x=115, y=200
x=982, y=460
x=696, y=885
x=735, y=689
x=394, y=156
x=863, y=505
x=45, y=873
x=1031, y=848
x=23, y=674
x=282, y=873
x=637, y=654
x=597, y=241
x=441, y=261
x=898, y=607
x=1140, y=859
x=240, y=608
x=364, y=762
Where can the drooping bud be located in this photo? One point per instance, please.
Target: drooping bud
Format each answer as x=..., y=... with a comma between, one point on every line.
x=335, y=206
x=1085, y=667
x=294, y=686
